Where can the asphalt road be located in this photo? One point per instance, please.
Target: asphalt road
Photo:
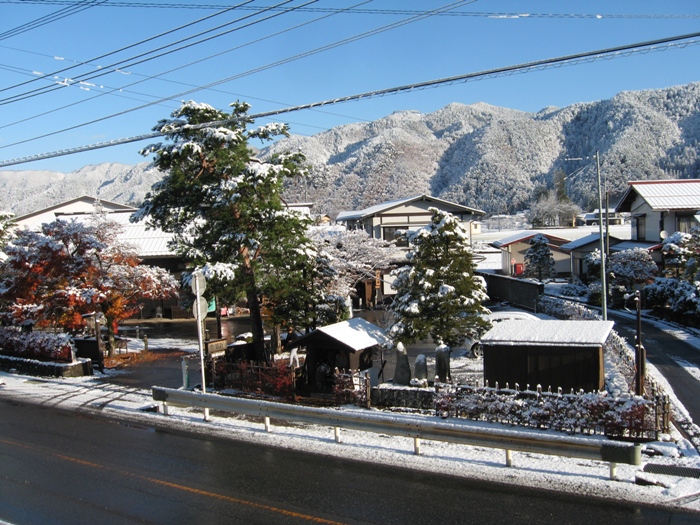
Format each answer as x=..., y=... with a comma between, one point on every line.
x=660, y=346
x=62, y=468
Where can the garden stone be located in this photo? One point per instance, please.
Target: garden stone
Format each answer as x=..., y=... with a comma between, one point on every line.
x=421, y=367
x=442, y=363
x=402, y=374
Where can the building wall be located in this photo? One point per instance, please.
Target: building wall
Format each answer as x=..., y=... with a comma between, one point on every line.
x=519, y=292
x=516, y=252
x=568, y=368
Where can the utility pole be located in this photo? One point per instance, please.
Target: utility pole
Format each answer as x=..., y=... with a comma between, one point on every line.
x=602, y=246
x=603, y=283
x=640, y=356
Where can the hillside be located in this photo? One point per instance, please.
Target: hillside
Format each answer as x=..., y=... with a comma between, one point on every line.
x=479, y=155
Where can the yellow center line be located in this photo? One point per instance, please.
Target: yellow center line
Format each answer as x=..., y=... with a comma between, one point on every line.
x=177, y=486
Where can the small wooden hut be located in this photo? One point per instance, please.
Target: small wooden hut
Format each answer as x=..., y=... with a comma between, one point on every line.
x=556, y=354
x=346, y=346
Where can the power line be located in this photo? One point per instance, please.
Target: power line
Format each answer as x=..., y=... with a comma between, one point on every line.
x=476, y=14
x=113, y=91
x=87, y=62
x=47, y=19
x=121, y=64
x=605, y=54
x=256, y=70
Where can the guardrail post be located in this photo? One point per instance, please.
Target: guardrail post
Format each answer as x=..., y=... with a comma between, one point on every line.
x=509, y=458
x=416, y=446
x=613, y=471
x=165, y=408
x=337, y=434
x=267, y=423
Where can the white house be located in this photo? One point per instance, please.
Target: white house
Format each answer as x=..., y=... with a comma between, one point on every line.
x=660, y=207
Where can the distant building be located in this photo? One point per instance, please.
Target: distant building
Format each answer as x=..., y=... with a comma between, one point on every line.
x=514, y=248
x=579, y=249
x=611, y=216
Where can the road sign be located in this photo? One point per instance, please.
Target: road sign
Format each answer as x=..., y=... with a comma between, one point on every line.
x=200, y=307
x=199, y=283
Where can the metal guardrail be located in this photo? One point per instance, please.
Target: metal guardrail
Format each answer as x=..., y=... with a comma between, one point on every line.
x=524, y=440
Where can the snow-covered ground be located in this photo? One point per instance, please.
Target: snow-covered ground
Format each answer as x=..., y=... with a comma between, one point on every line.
x=533, y=470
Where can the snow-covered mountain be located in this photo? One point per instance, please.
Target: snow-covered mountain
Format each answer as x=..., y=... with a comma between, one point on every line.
x=23, y=192
x=479, y=155
x=494, y=158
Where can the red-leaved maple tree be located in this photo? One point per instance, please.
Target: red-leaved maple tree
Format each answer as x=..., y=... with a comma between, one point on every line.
x=53, y=276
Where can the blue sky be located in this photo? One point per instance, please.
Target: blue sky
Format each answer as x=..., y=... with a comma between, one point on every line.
x=471, y=37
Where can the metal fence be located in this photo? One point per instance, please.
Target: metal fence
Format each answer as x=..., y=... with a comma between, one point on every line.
x=418, y=428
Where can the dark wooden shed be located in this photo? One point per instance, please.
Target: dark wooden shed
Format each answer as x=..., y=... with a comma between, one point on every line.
x=346, y=346
x=556, y=354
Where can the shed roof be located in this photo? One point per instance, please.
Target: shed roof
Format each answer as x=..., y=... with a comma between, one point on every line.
x=549, y=333
x=661, y=195
x=631, y=245
x=356, y=334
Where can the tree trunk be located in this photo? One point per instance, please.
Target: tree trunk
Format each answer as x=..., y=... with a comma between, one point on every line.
x=110, y=336
x=257, y=327
x=276, y=339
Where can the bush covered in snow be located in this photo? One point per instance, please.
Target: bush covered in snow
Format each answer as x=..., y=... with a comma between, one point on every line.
x=589, y=413
x=41, y=346
x=574, y=289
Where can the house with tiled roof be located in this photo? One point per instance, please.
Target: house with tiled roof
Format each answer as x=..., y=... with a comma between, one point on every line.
x=387, y=219
x=384, y=220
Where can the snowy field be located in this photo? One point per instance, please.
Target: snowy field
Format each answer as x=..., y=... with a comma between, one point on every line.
x=533, y=470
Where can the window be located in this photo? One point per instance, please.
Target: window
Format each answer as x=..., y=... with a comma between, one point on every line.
x=685, y=223
x=390, y=234
x=639, y=228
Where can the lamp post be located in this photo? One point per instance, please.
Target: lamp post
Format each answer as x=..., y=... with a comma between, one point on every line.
x=603, y=251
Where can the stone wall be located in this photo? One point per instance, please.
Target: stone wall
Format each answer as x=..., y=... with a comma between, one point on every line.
x=32, y=367
x=419, y=398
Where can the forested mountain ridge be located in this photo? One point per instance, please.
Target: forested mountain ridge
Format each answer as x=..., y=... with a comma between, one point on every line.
x=495, y=158
x=486, y=157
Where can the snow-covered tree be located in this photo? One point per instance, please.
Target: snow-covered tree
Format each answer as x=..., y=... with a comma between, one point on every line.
x=354, y=256
x=630, y=267
x=438, y=293
x=539, y=261
x=7, y=227
x=676, y=253
x=222, y=203
x=53, y=276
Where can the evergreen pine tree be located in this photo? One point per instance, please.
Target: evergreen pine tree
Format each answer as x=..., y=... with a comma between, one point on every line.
x=539, y=261
x=223, y=204
x=438, y=293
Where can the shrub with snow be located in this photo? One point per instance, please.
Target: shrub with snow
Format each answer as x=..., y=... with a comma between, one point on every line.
x=41, y=346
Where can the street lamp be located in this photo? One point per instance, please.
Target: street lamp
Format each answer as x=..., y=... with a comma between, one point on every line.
x=603, y=278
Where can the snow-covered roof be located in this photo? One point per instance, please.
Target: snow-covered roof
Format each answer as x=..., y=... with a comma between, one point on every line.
x=631, y=245
x=524, y=236
x=67, y=205
x=384, y=206
x=357, y=334
x=583, y=241
x=548, y=333
x=148, y=243
x=663, y=195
